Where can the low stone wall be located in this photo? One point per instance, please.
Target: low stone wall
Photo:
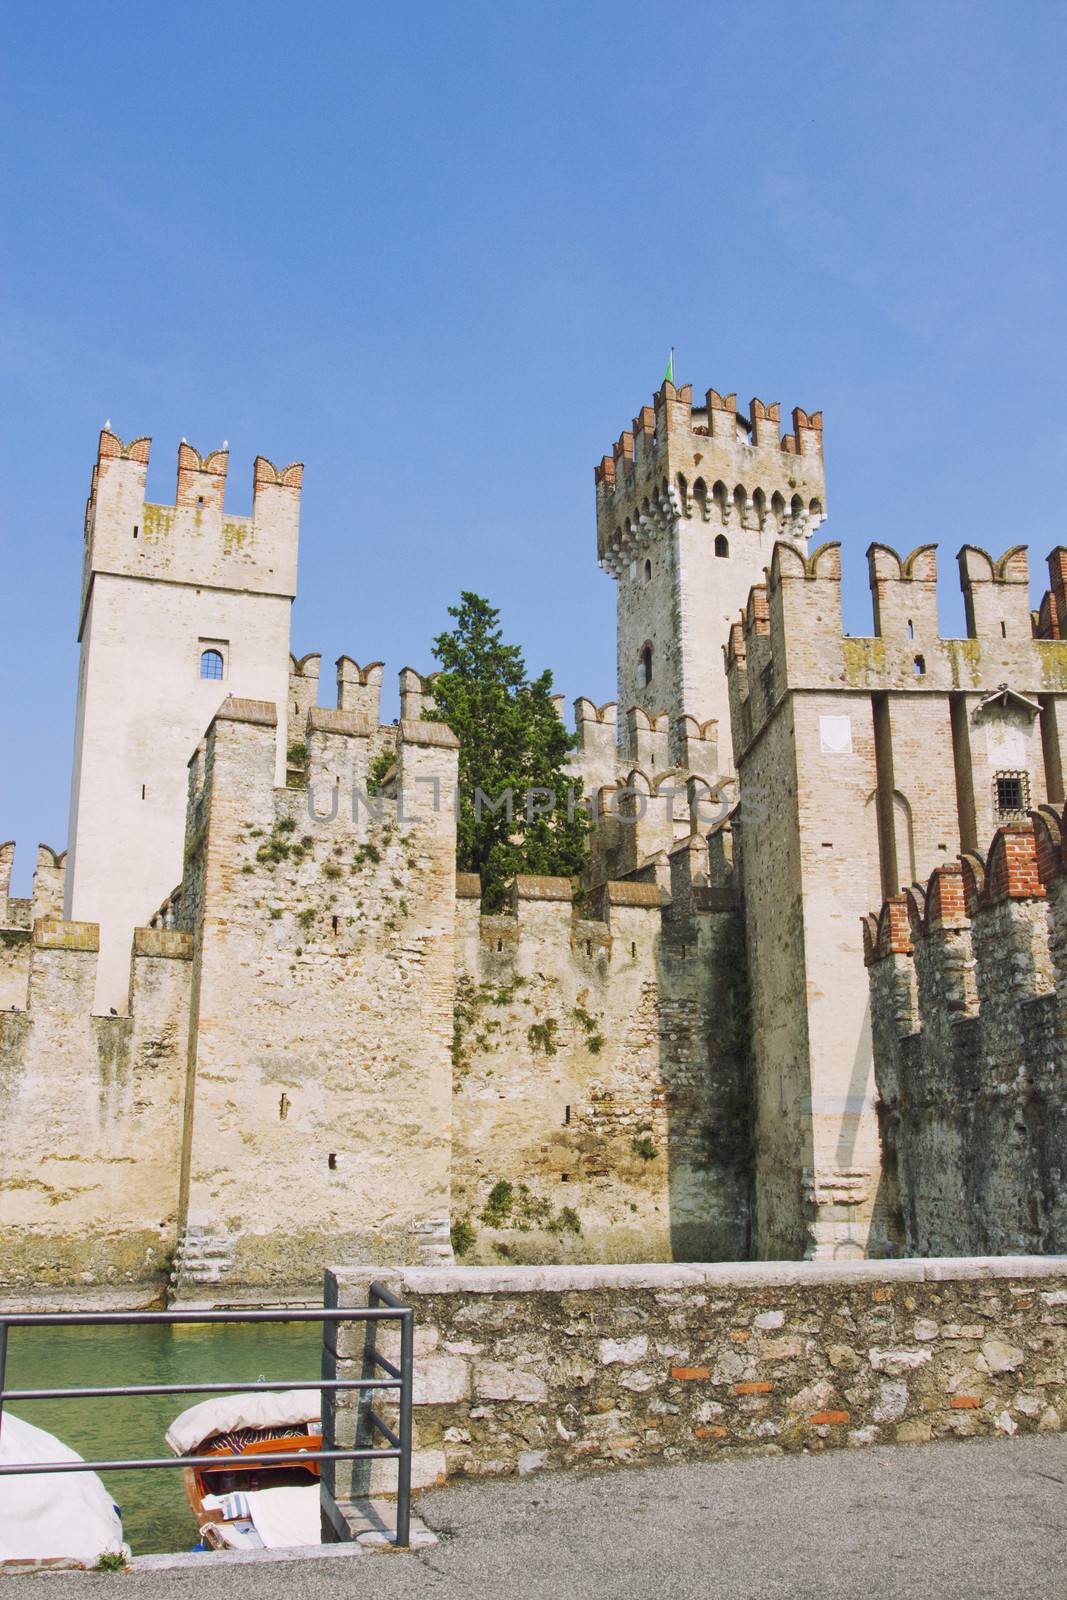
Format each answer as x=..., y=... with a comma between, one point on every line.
x=526, y=1368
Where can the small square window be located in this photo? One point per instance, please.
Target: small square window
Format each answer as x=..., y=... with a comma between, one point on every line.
x=1011, y=794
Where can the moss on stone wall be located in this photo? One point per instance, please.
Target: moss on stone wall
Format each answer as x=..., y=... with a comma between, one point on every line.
x=158, y=522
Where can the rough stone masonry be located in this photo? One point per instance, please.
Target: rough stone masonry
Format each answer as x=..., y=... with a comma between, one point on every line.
x=523, y=1369
x=249, y=1021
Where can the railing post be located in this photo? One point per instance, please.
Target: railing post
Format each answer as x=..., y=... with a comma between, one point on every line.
x=3, y=1370
x=403, y=1487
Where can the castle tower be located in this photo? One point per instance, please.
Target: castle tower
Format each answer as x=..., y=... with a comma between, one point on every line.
x=181, y=606
x=689, y=506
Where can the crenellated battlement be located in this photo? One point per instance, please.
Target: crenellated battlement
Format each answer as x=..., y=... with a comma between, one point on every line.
x=708, y=463
x=689, y=506
x=194, y=540
x=790, y=636
x=47, y=893
x=360, y=688
x=968, y=990
x=416, y=694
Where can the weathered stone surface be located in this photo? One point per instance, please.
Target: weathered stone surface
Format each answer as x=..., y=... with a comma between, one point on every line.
x=897, y=1360
x=579, y=1409
x=625, y=1350
x=495, y=1380
x=441, y=1380
x=769, y=1319
x=1001, y=1357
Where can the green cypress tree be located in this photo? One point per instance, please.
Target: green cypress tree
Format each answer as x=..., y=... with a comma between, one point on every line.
x=512, y=740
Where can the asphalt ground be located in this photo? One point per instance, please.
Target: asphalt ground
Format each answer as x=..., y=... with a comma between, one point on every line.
x=969, y=1519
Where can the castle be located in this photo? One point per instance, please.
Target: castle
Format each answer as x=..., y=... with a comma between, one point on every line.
x=256, y=1020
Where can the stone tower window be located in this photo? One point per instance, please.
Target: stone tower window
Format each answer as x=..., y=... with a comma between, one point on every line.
x=1011, y=795
x=211, y=664
x=722, y=545
x=648, y=572
x=920, y=666
x=646, y=665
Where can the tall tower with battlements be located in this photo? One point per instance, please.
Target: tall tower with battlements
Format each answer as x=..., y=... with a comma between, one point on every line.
x=689, y=506
x=181, y=606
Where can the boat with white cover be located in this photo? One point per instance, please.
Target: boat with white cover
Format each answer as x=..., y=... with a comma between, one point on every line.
x=258, y=1507
x=52, y=1518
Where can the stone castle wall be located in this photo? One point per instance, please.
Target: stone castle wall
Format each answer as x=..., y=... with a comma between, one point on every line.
x=678, y=1061
x=90, y=1138
x=967, y=984
x=601, y=1107
x=320, y=1001
x=862, y=763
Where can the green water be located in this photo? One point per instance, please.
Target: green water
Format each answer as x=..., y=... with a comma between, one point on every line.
x=155, y=1512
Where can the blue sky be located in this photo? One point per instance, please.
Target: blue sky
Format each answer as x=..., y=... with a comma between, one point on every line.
x=439, y=252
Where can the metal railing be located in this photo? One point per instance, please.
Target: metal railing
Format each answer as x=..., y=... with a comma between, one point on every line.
x=383, y=1307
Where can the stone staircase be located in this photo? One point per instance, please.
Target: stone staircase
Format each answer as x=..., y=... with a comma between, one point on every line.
x=434, y=1242
x=202, y=1258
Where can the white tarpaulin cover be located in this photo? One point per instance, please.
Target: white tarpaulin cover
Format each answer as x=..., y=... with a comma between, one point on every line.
x=287, y=1517
x=224, y=1413
x=281, y=1519
x=52, y=1514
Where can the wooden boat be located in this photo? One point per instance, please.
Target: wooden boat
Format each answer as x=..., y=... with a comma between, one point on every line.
x=258, y=1507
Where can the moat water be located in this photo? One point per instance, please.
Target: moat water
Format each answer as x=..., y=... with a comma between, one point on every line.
x=155, y=1512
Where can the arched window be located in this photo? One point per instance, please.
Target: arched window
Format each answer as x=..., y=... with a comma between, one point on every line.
x=722, y=545
x=648, y=572
x=211, y=664
x=646, y=665
x=700, y=495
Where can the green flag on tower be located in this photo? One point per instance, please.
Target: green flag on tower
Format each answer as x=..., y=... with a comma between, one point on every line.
x=668, y=376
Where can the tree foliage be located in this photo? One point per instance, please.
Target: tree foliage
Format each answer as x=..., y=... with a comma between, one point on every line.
x=512, y=741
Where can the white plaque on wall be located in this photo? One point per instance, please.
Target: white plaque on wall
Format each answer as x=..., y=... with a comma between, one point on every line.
x=835, y=735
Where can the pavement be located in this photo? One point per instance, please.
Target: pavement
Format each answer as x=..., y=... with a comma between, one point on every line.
x=967, y=1519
